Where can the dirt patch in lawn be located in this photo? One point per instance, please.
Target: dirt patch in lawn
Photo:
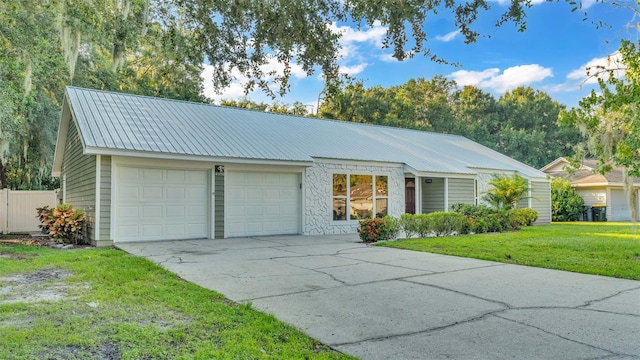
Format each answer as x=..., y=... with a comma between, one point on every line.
x=107, y=351
x=43, y=285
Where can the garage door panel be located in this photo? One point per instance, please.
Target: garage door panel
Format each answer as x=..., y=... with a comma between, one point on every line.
x=129, y=192
x=262, y=203
x=150, y=212
x=176, y=176
x=160, y=204
x=151, y=193
x=152, y=175
x=152, y=231
x=175, y=229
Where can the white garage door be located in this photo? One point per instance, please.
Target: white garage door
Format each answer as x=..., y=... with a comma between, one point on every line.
x=160, y=204
x=262, y=203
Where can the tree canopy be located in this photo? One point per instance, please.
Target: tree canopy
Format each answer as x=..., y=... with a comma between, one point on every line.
x=609, y=119
x=521, y=124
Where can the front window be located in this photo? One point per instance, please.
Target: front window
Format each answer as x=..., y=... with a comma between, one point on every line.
x=357, y=197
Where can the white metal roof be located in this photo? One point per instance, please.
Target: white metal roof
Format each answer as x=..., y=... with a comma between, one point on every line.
x=117, y=123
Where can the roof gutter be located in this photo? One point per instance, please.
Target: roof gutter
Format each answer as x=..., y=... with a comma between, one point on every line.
x=204, y=158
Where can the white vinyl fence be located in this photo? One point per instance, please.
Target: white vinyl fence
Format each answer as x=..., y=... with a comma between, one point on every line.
x=18, y=209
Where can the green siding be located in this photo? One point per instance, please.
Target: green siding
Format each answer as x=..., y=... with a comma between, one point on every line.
x=105, y=198
x=541, y=201
x=219, y=207
x=432, y=195
x=80, y=173
x=461, y=191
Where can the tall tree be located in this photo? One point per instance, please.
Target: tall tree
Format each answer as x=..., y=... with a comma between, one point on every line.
x=245, y=35
x=529, y=127
x=609, y=119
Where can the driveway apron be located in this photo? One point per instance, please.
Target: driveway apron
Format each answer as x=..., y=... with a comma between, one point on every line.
x=382, y=303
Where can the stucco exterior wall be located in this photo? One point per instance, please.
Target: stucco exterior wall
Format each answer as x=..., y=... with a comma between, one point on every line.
x=318, y=195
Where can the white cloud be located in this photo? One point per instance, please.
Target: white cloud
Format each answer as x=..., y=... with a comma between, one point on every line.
x=353, y=69
x=464, y=77
x=585, y=74
x=351, y=61
x=510, y=78
x=236, y=89
x=387, y=57
x=588, y=3
x=448, y=37
x=350, y=35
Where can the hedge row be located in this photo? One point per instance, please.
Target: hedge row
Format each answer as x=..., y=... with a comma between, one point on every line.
x=465, y=219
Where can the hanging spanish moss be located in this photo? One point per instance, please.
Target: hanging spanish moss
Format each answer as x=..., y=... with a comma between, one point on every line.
x=70, y=37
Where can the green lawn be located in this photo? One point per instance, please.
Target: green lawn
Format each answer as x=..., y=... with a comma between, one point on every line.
x=610, y=249
x=105, y=304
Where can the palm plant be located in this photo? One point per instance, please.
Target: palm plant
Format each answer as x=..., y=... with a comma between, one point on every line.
x=506, y=192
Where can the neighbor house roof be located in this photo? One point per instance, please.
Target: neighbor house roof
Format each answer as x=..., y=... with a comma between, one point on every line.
x=121, y=124
x=586, y=174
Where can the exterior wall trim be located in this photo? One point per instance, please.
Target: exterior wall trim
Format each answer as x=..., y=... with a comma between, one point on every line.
x=194, y=158
x=96, y=221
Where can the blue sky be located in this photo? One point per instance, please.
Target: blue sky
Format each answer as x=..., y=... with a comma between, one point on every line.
x=550, y=55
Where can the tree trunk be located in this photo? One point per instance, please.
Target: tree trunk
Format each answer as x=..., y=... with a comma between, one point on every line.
x=632, y=197
x=3, y=176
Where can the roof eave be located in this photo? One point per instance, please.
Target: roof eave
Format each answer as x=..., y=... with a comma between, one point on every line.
x=186, y=157
x=61, y=139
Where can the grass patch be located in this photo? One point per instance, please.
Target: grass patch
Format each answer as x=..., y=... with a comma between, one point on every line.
x=609, y=249
x=105, y=304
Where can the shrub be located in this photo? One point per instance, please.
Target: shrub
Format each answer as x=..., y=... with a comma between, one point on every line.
x=505, y=191
x=63, y=223
x=443, y=223
x=409, y=224
x=423, y=225
x=477, y=225
x=377, y=229
x=393, y=227
x=475, y=217
x=472, y=210
x=566, y=203
x=524, y=216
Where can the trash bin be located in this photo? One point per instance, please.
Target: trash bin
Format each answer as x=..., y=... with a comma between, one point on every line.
x=599, y=212
x=586, y=213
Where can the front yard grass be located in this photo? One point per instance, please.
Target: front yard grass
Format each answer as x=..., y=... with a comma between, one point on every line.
x=609, y=249
x=105, y=304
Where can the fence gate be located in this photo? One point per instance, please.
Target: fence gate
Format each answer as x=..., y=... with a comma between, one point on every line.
x=18, y=209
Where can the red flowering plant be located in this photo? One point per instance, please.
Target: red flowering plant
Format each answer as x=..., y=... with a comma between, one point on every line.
x=372, y=230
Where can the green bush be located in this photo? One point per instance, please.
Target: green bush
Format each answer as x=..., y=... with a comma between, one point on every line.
x=472, y=210
x=506, y=192
x=566, y=203
x=408, y=224
x=423, y=225
x=523, y=217
x=477, y=225
x=443, y=223
x=393, y=227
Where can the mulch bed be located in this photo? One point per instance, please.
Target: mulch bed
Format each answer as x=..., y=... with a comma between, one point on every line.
x=40, y=241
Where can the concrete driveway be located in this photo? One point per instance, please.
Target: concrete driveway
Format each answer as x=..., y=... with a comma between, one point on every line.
x=380, y=303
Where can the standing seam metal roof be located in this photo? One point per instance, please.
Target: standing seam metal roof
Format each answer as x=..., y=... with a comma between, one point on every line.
x=118, y=121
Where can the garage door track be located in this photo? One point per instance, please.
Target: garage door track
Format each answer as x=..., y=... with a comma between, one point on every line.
x=381, y=303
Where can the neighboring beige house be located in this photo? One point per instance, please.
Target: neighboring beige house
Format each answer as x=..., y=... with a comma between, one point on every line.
x=147, y=169
x=596, y=188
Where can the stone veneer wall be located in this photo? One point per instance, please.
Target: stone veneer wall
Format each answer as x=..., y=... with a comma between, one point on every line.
x=318, y=194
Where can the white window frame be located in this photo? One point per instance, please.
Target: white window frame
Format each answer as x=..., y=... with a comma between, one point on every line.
x=347, y=197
